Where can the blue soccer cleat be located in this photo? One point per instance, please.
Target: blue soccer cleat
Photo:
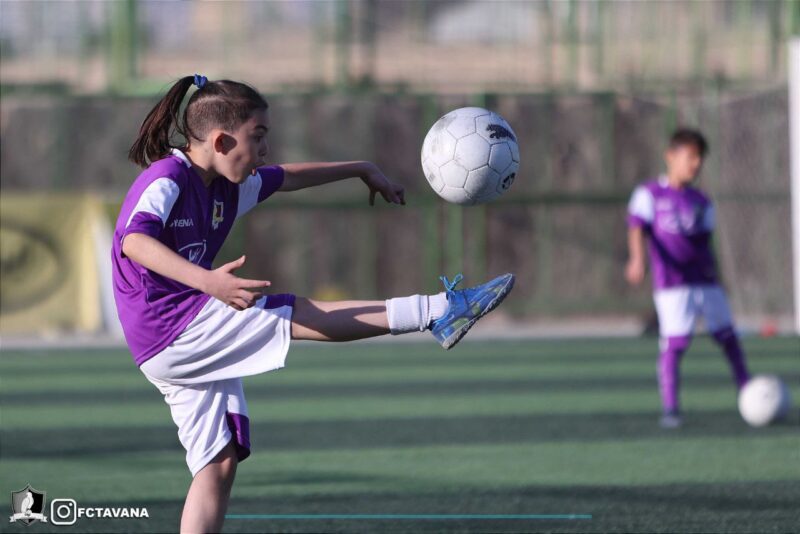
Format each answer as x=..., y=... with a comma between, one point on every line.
x=466, y=306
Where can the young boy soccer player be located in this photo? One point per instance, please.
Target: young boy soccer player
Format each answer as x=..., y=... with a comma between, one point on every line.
x=678, y=220
x=195, y=331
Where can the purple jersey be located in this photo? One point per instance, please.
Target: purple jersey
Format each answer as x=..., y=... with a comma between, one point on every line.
x=168, y=201
x=679, y=224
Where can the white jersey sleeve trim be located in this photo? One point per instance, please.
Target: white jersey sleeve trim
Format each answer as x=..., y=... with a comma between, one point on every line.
x=642, y=204
x=180, y=155
x=158, y=199
x=709, y=218
x=248, y=194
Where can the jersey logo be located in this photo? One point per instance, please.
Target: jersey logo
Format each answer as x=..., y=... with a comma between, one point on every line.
x=217, y=216
x=194, y=252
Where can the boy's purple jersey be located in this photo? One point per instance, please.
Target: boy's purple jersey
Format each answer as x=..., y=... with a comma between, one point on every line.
x=169, y=202
x=679, y=223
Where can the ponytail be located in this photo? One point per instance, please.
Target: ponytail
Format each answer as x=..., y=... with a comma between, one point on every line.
x=153, y=141
x=219, y=104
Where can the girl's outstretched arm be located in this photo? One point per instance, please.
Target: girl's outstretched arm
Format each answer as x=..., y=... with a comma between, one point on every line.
x=220, y=283
x=302, y=175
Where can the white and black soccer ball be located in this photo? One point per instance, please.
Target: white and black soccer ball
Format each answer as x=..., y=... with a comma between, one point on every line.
x=764, y=400
x=470, y=156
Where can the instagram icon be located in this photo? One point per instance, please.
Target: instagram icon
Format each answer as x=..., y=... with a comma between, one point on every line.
x=63, y=511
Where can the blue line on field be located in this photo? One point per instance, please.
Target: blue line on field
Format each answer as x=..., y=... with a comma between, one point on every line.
x=408, y=516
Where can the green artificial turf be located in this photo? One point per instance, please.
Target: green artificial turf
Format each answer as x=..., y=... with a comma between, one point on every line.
x=477, y=439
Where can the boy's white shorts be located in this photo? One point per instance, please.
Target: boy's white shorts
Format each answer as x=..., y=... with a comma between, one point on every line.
x=679, y=307
x=200, y=373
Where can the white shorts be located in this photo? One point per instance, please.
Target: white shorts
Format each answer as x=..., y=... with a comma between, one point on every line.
x=679, y=307
x=200, y=373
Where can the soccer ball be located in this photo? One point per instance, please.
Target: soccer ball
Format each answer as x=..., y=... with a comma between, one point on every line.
x=763, y=400
x=470, y=156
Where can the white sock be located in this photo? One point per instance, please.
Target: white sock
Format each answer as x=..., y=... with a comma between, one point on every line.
x=414, y=313
x=437, y=305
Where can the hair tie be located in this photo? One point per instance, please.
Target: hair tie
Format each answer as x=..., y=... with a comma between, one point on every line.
x=200, y=81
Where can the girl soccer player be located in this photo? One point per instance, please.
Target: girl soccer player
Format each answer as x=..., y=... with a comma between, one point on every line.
x=678, y=220
x=195, y=331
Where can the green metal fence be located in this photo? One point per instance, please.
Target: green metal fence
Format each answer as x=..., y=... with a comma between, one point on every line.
x=133, y=47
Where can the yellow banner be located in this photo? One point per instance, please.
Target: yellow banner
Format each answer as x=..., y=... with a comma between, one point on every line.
x=49, y=264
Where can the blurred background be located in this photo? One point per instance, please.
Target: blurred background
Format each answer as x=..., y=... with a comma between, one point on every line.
x=592, y=89
x=500, y=426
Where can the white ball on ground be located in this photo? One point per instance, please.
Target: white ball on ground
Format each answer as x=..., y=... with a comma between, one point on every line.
x=764, y=400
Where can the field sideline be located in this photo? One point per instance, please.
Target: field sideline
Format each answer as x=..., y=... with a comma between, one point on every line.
x=512, y=427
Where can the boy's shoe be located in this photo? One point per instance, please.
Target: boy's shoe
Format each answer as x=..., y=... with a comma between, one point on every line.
x=466, y=306
x=671, y=420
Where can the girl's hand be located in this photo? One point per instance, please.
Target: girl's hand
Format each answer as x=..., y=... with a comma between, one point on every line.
x=378, y=183
x=238, y=293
